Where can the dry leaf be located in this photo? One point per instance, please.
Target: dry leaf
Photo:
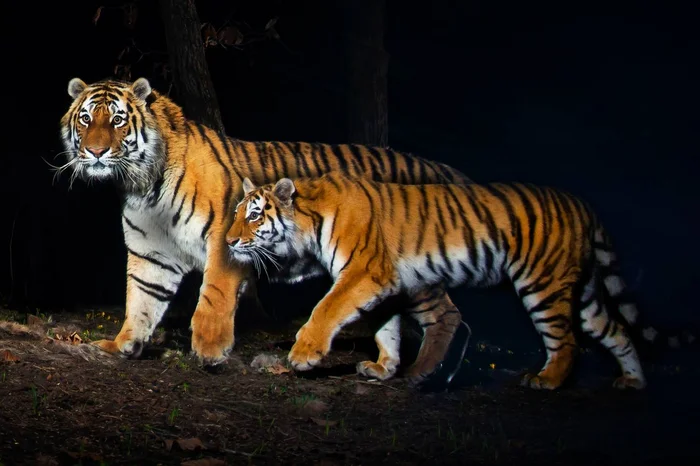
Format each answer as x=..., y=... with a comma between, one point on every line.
x=214, y=416
x=34, y=320
x=190, y=444
x=204, y=462
x=168, y=444
x=75, y=338
x=277, y=369
x=7, y=356
x=323, y=422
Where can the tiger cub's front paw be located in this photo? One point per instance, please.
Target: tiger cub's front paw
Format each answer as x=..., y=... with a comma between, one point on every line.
x=308, y=350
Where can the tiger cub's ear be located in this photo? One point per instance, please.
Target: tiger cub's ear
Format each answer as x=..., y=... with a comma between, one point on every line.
x=284, y=189
x=248, y=186
x=75, y=87
x=141, y=88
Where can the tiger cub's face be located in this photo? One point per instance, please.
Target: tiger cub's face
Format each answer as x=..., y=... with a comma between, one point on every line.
x=262, y=228
x=108, y=132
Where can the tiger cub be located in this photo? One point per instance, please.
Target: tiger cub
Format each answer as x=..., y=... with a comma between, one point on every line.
x=380, y=239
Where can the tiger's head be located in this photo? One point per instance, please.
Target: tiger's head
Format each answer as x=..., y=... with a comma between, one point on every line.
x=263, y=225
x=109, y=133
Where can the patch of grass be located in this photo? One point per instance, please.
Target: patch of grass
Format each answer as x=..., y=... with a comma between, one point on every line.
x=173, y=415
x=38, y=401
x=300, y=401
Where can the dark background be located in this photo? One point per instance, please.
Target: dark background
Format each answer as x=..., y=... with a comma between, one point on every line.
x=599, y=98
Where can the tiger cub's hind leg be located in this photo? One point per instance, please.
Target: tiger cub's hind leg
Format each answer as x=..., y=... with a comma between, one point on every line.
x=596, y=322
x=388, y=339
x=550, y=308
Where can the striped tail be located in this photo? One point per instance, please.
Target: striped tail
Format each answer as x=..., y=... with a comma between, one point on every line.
x=616, y=290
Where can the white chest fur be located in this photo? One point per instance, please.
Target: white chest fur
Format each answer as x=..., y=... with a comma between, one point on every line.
x=166, y=229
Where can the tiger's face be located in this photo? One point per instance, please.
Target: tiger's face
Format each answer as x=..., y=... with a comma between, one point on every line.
x=263, y=226
x=109, y=133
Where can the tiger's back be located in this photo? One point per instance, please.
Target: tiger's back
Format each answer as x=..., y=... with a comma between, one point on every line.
x=380, y=239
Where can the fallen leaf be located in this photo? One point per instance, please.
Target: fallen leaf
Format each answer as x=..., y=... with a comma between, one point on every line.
x=168, y=444
x=204, y=462
x=323, y=422
x=75, y=338
x=34, y=320
x=215, y=416
x=7, y=356
x=190, y=444
x=277, y=369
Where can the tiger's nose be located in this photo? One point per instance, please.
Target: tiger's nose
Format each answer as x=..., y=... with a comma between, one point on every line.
x=232, y=242
x=97, y=151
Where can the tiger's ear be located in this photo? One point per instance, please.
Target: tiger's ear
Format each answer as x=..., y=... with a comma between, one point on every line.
x=75, y=87
x=284, y=189
x=141, y=88
x=248, y=186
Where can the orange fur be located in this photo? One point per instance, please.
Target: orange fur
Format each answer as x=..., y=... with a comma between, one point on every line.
x=179, y=179
x=380, y=239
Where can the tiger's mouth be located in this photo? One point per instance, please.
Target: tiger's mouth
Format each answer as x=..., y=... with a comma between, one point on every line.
x=98, y=169
x=241, y=253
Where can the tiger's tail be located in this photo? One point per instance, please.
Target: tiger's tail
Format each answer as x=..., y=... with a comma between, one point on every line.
x=617, y=292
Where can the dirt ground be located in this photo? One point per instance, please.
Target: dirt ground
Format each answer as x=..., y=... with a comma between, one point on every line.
x=63, y=402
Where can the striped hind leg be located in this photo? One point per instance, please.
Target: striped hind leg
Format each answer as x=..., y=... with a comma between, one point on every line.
x=596, y=322
x=550, y=309
x=388, y=339
x=439, y=318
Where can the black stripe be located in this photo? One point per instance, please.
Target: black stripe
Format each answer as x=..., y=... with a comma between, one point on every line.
x=176, y=217
x=210, y=220
x=132, y=226
x=177, y=187
x=338, y=154
x=192, y=205
x=153, y=286
x=154, y=261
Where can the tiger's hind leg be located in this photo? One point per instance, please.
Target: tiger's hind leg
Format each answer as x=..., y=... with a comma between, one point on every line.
x=596, y=322
x=549, y=305
x=440, y=320
x=388, y=339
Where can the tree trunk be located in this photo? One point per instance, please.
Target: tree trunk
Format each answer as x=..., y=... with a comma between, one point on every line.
x=367, y=63
x=193, y=83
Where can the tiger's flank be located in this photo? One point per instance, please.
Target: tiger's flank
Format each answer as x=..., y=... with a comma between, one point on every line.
x=380, y=239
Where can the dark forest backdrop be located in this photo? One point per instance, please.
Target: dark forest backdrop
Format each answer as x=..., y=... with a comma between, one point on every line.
x=597, y=97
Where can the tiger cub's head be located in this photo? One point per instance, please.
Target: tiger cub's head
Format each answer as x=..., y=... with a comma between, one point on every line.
x=110, y=134
x=263, y=226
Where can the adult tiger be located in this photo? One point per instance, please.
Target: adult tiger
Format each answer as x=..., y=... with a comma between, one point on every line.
x=179, y=179
x=380, y=239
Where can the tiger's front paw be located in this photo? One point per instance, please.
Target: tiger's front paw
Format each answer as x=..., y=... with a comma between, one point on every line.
x=128, y=348
x=539, y=382
x=212, y=337
x=375, y=370
x=629, y=381
x=309, y=349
